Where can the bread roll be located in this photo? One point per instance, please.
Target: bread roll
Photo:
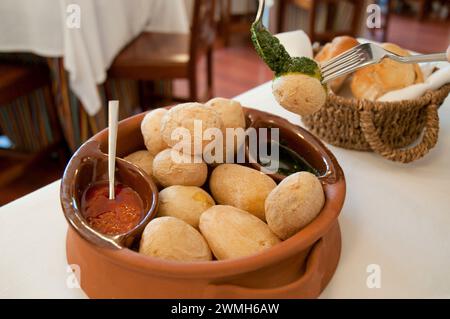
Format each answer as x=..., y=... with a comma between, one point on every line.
x=185, y=116
x=294, y=203
x=178, y=169
x=372, y=82
x=241, y=187
x=333, y=49
x=150, y=129
x=142, y=159
x=184, y=202
x=234, y=233
x=172, y=239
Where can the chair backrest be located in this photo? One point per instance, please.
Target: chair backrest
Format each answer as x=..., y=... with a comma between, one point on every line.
x=312, y=6
x=18, y=80
x=203, y=29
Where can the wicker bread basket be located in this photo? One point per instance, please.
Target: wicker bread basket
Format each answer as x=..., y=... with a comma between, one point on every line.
x=401, y=131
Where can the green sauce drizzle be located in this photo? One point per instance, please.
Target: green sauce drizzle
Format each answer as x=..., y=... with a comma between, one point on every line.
x=277, y=58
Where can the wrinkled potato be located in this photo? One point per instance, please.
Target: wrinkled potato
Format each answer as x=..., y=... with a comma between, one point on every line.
x=142, y=159
x=294, y=203
x=230, y=112
x=179, y=170
x=234, y=233
x=241, y=187
x=151, y=131
x=184, y=116
x=173, y=239
x=233, y=117
x=299, y=93
x=184, y=202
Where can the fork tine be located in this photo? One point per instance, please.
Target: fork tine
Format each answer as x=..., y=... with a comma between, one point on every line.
x=346, y=70
x=349, y=59
x=338, y=58
x=340, y=61
x=333, y=76
x=354, y=61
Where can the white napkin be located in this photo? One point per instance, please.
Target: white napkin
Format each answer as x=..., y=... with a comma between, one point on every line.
x=297, y=43
x=433, y=82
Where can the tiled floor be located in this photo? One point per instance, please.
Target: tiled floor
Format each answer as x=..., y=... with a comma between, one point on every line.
x=236, y=70
x=426, y=37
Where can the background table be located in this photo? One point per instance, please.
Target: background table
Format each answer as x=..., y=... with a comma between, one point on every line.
x=395, y=216
x=106, y=26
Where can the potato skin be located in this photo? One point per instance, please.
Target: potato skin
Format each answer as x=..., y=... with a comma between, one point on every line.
x=172, y=239
x=294, y=203
x=167, y=172
x=233, y=117
x=184, y=116
x=230, y=112
x=184, y=202
x=299, y=93
x=233, y=233
x=142, y=159
x=242, y=187
x=151, y=131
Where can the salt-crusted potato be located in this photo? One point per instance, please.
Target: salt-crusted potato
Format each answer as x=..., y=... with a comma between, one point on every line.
x=173, y=168
x=151, y=131
x=241, y=187
x=184, y=202
x=299, y=93
x=230, y=112
x=294, y=203
x=234, y=233
x=173, y=239
x=233, y=117
x=184, y=116
x=142, y=159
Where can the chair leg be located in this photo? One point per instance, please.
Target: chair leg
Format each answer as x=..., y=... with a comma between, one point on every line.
x=58, y=136
x=280, y=15
x=224, y=23
x=193, y=85
x=209, y=73
x=387, y=19
x=423, y=6
x=312, y=22
x=142, y=93
x=62, y=155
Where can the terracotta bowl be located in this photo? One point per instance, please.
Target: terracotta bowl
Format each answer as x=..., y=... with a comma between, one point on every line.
x=299, y=267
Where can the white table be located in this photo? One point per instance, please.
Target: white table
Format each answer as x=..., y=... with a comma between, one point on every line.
x=396, y=216
x=49, y=28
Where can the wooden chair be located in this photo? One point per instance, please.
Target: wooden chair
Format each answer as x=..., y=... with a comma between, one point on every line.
x=386, y=17
x=163, y=56
x=311, y=6
x=19, y=81
x=230, y=24
x=424, y=7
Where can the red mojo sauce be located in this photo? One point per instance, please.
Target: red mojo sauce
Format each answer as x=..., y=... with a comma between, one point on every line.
x=112, y=217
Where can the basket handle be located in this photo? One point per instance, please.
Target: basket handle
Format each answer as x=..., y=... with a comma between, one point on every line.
x=404, y=155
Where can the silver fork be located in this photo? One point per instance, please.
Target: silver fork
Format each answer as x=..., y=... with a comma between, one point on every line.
x=367, y=54
x=259, y=13
x=362, y=55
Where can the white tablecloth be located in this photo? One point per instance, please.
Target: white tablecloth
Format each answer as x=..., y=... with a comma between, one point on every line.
x=396, y=216
x=106, y=26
